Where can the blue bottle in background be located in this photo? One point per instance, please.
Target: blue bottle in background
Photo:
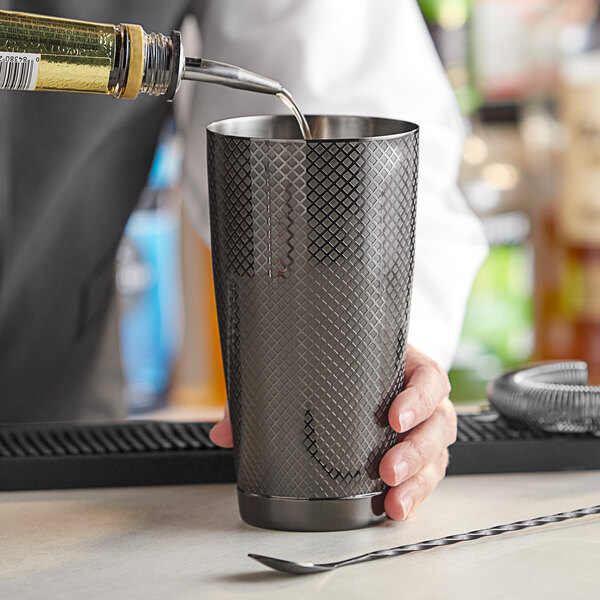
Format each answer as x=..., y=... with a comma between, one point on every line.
x=149, y=283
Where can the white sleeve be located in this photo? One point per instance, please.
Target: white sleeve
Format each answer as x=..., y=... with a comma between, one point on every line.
x=368, y=57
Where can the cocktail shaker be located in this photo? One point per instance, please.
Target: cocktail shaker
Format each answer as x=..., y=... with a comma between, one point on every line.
x=313, y=251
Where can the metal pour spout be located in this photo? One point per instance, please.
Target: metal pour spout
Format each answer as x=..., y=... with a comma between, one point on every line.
x=210, y=71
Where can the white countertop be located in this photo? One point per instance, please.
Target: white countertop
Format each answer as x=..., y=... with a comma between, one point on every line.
x=188, y=542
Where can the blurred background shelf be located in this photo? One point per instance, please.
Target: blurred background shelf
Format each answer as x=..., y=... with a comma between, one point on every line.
x=527, y=79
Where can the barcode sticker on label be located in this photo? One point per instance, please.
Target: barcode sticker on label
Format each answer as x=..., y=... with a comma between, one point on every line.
x=18, y=70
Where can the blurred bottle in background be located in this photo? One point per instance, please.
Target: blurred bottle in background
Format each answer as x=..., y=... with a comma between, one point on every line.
x=567, y=235
x=164, y=280
x=198, y=391
x=149, y=283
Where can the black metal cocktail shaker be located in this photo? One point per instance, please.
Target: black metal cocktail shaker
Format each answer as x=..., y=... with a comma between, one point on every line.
x=313, y=252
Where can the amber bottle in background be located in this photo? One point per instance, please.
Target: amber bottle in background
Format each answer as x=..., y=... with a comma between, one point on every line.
x=567, y=231
x=567, y=296
x=198, y=391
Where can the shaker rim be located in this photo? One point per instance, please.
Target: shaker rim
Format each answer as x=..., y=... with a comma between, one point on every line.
x=258, y=128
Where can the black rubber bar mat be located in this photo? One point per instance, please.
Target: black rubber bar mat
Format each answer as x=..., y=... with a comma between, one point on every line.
x=69, y=455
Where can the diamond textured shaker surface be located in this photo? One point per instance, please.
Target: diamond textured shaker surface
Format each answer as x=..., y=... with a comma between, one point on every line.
x=313, y=254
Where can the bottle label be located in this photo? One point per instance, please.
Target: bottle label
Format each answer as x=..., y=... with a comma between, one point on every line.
x=19, y=70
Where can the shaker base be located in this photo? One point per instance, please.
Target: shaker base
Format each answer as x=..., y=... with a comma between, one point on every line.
x=295, y=514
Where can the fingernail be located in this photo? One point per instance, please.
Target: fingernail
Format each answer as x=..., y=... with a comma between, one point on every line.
x=400, y=472
x=407, y=504
x=407, y=418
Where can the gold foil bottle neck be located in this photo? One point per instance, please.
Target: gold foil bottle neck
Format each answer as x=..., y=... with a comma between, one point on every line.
x=74, y=56
x=47, y=53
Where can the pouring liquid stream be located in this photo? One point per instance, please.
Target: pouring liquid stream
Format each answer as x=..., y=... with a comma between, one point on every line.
x=211, y=71
x=287, y=99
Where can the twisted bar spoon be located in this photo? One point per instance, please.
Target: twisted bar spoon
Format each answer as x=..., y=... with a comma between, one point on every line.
x=305, y=568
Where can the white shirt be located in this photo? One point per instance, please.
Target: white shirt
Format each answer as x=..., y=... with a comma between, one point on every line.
x=360, y=57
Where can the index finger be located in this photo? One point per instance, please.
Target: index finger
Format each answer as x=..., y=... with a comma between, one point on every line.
x=426, y=385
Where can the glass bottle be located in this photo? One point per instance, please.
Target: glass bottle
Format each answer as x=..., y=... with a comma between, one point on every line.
x=567, y=236
x=46, y=53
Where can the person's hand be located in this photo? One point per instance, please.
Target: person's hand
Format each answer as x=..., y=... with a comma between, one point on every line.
x=220, y=434
x=425, y=420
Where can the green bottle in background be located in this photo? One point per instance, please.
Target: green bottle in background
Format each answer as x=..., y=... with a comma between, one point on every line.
x=498, y=330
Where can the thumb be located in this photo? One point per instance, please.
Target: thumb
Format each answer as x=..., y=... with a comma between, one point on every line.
x=221, y=434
